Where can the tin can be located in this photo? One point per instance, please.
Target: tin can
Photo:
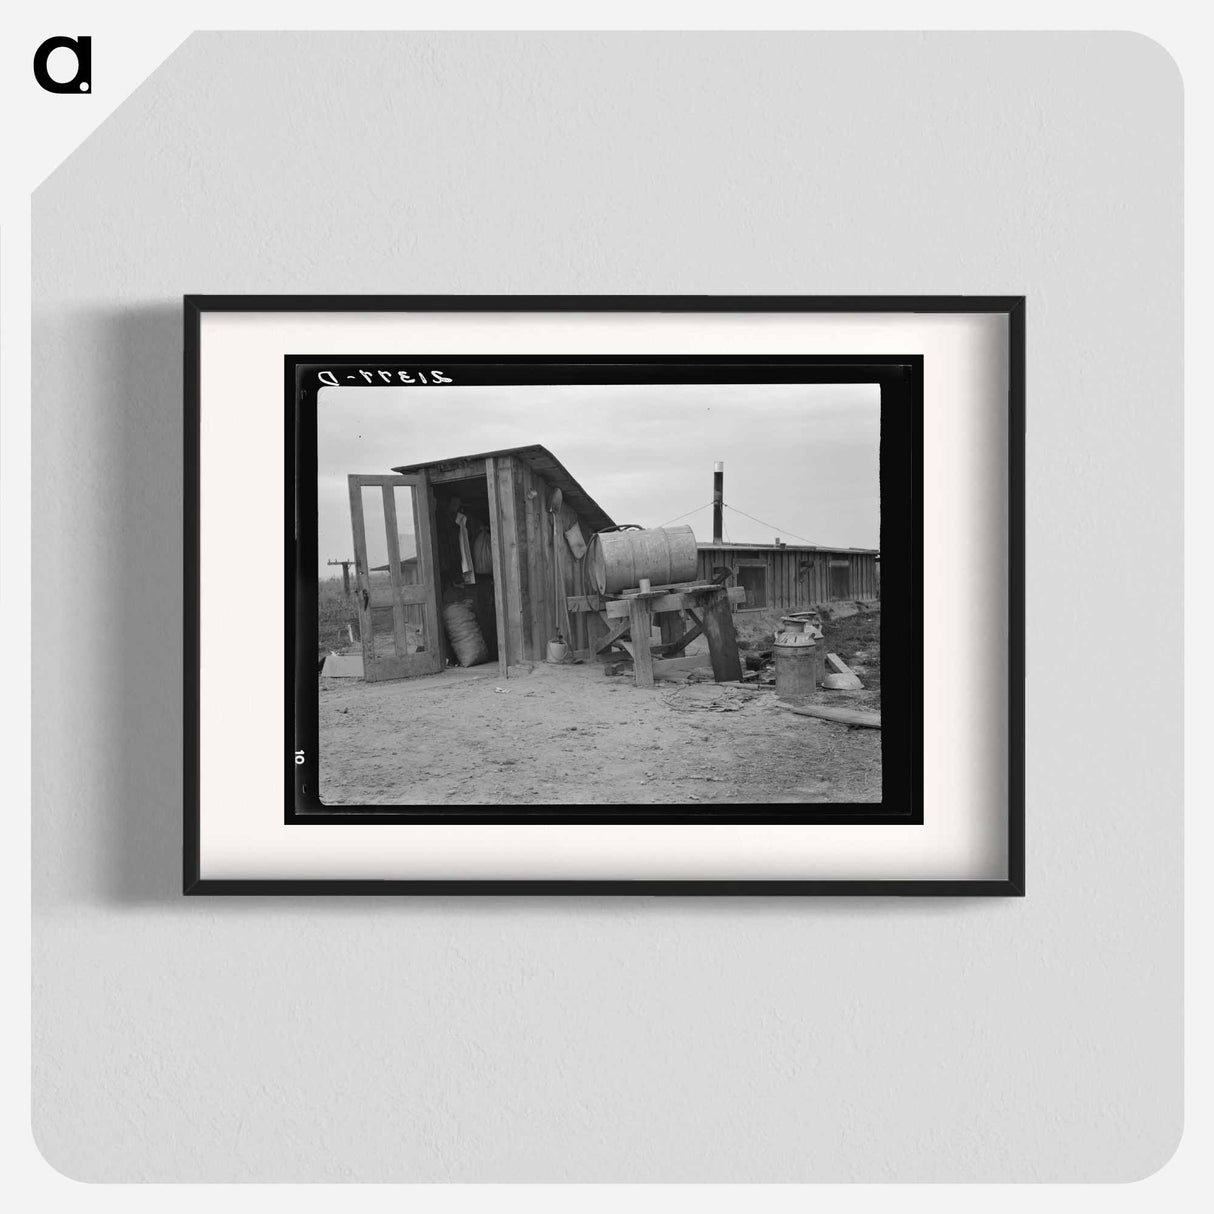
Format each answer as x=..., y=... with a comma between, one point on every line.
x=800, y=665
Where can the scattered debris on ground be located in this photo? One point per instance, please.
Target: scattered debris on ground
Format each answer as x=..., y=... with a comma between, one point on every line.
x=564, y=734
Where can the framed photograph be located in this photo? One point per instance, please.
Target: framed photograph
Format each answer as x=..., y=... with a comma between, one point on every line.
x=679, y=595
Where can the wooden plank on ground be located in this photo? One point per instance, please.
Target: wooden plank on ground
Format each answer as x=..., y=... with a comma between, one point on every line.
x=843, y=716
x=837, y=664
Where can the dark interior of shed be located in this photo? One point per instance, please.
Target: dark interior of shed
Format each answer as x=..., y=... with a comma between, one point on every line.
x=470, y=497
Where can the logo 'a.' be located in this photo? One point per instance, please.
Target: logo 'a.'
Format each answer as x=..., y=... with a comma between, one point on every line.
x=82, y=81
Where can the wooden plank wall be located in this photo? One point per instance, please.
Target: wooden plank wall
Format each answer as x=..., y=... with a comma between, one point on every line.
x=582, y=625
x=519, y=504
x=546, y=617
x=506, y=531
x=798, y=578
x=529, y=508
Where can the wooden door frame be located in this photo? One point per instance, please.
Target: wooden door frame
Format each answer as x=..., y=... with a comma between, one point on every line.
x=499, y=577
x=423, y=593
x=839, y=563
x=752, y=562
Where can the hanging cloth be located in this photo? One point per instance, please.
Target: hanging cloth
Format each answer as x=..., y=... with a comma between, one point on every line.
x=465, y=549
x=482, y=553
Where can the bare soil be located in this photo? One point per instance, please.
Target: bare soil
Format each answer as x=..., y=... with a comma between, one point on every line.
x=571, y=734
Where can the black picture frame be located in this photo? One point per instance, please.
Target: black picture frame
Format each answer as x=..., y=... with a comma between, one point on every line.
x=1012, y=308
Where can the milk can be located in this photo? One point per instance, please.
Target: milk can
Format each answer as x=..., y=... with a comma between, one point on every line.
x=800, y=664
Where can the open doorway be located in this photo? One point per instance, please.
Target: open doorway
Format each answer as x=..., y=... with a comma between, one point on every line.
x=464, y=563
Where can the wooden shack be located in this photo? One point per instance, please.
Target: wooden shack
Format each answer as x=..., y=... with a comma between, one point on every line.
x=787, y=577
x=533, y=566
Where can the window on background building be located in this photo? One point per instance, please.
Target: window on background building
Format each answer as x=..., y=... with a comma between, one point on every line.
x=753, y=579
x=840, y=580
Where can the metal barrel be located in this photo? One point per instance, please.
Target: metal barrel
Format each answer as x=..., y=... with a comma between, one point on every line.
x=617, y=560
x=800, y=665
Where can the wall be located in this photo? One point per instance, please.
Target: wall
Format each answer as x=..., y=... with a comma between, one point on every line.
x=628, y=1039
x=534, y=614
x=797, y=577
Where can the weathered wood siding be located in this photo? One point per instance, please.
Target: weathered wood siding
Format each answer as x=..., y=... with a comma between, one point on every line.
x=797, y=577
x=524, y=546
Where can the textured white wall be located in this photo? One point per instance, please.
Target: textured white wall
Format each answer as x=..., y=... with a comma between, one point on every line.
x=626, y=1039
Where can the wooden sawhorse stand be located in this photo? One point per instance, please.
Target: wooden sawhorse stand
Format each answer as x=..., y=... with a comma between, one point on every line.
x=708, y=605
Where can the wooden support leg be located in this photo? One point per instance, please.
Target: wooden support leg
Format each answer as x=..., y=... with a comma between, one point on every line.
x=722, y=640
x=641, y=619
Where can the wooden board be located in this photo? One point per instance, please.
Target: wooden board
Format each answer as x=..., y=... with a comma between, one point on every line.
x=667, y=588
x=843, y=716
x=526, y=564
x=403, y=662
x=463, y=471
x=837, y=664
x=642, y=659
x=428, y=547
x=499, y=578
x=610, y=638
x=389, y=596
x=510, y=631
x=618, y=608
x=722, y=640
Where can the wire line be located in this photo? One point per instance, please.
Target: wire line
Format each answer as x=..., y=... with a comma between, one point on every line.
x=773, y=526
x=675, y=520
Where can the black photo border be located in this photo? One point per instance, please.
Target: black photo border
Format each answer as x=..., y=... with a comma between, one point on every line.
x=909, y=367
x=899, y=379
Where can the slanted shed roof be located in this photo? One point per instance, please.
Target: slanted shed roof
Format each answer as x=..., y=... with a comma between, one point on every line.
x=542, y=462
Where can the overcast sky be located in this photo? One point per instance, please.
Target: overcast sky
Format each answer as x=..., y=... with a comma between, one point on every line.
x=803, y=458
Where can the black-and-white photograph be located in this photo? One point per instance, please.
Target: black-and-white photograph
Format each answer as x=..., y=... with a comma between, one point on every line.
x=543, y=585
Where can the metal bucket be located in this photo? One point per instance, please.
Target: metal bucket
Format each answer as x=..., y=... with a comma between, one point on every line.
x=618, y=560
x=800, y=665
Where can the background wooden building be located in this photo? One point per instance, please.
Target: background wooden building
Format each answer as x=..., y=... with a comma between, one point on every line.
x=789, y=577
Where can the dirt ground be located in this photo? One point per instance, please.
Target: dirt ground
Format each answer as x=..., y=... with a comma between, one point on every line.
x=571, y=734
